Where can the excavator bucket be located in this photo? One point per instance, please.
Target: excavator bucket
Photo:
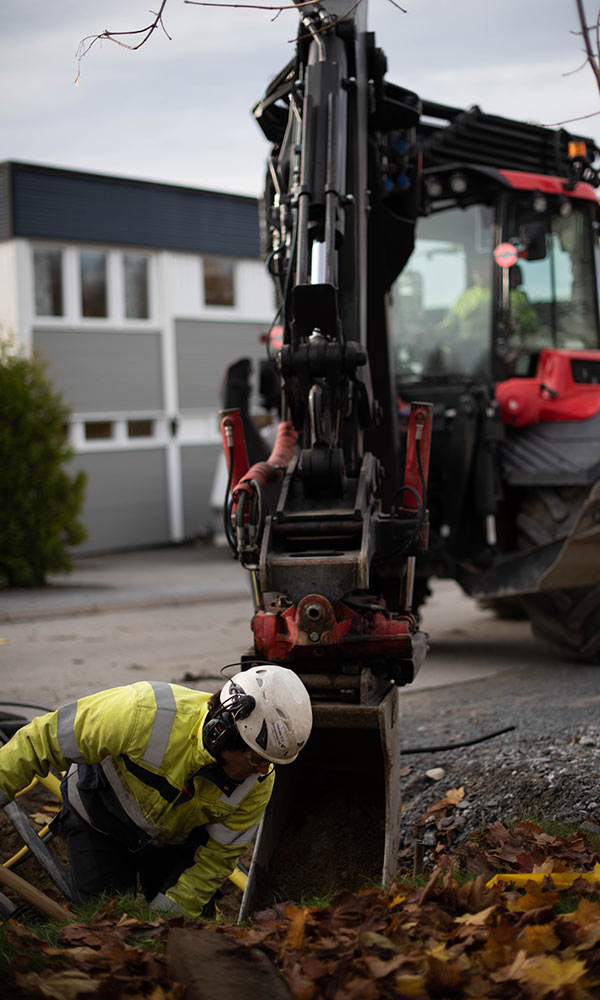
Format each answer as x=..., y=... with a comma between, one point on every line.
x=334, y=818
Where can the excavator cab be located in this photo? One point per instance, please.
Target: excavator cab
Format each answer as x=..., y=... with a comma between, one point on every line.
x=495, y=321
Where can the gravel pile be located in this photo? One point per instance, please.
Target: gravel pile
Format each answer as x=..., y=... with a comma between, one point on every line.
x=547, y=768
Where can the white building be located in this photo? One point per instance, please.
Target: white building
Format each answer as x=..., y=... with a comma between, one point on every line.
x=138, y=296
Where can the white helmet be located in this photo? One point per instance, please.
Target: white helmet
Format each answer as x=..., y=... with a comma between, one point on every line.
x=280, y=723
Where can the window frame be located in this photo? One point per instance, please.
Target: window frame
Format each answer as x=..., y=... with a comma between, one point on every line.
x=72, y=290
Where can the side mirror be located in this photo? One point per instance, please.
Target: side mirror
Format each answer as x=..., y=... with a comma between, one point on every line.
x=533, y=239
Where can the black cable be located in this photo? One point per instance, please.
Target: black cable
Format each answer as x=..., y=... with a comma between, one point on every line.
x=461, y=743
x=408, y=542
x=25, y=704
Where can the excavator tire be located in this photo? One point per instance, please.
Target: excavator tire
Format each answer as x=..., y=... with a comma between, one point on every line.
x=569, y=619
x=506, y=608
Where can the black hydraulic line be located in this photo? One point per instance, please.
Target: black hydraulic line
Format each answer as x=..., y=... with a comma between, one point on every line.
x=24, y=704
x=461, y=743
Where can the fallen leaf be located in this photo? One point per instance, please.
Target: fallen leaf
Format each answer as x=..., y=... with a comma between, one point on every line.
x=477, y=919
x=61, y=985
x=455, y=795
x=534, y=898
x=536, y=938
x=295, y=934
x=371, y=939
x=379, y=968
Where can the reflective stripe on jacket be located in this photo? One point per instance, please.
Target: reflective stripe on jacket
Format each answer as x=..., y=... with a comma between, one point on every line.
x=147, y=738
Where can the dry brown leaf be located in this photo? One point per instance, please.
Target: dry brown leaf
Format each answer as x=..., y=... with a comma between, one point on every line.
x=297, y=916
x=379, y=968
x=67, y=985
x=443, y=977
x=455, y=795
x=477, y=919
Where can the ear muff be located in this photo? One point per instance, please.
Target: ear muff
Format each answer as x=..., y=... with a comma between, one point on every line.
x=220, y=732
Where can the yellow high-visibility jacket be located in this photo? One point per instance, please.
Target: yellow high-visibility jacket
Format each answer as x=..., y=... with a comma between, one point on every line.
x=147, y=739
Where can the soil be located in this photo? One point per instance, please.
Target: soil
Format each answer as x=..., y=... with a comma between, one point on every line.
x=40, y=806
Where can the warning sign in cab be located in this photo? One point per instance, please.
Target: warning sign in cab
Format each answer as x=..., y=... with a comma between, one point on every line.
x=505, y=255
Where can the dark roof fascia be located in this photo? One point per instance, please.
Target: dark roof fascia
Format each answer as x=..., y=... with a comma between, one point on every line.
x=70, y=172
x=55, y=203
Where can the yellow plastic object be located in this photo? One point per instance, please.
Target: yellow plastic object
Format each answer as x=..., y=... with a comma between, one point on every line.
x=49, y=781
x=239, y=879
x=562, y=880
x=24, y=850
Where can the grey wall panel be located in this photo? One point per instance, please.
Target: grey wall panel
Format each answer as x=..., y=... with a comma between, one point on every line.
x=126, y=502
x=69, y=205
x=198, y=465
x=104, y=371
x=205, y=349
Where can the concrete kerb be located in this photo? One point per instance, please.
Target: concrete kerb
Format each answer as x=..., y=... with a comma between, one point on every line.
x=149, y=578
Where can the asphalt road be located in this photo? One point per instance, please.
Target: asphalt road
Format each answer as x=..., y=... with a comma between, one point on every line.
x=182, y=614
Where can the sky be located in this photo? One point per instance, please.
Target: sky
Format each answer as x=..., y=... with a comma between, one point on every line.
x=178, y=110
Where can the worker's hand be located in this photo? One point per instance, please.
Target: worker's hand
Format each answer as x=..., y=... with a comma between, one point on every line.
x=166, y=905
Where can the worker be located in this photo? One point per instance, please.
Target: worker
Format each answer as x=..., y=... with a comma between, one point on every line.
x=163, y=781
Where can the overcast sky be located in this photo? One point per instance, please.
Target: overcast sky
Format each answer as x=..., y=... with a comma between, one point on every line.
x=179, y=110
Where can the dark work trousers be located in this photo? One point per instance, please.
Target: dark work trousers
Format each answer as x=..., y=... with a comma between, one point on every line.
x=102, y=864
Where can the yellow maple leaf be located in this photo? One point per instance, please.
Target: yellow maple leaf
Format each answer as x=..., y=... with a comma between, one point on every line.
x=587, y=913
x=550, y=972
x=455, y=795
x=534, y=898
x=535, y=938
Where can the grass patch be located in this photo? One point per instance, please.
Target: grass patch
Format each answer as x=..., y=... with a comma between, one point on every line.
x=559, y=828
x=87, y=912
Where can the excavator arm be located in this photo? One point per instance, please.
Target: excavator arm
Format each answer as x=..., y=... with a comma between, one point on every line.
x=331, y=524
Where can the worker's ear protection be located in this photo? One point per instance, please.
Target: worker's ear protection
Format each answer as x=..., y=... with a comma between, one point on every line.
x=219, y=733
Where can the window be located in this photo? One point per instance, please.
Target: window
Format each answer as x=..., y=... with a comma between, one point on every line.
x=441, y=304
x=47, y=277
x=98, y=430
x=94, y=297
x=559, y=288
x=140, y=428
x=218, y=282
x=135, y=275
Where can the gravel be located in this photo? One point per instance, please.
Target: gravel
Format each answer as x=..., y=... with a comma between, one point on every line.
x=547, y=768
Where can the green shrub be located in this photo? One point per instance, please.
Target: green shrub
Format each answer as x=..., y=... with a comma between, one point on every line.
x=39, y=501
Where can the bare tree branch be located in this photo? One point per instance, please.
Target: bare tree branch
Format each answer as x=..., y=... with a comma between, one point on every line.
x=568, y=121
x=115, y=36
x=592, y=57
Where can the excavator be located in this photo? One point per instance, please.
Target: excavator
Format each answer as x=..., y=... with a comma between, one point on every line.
x=435, y=361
